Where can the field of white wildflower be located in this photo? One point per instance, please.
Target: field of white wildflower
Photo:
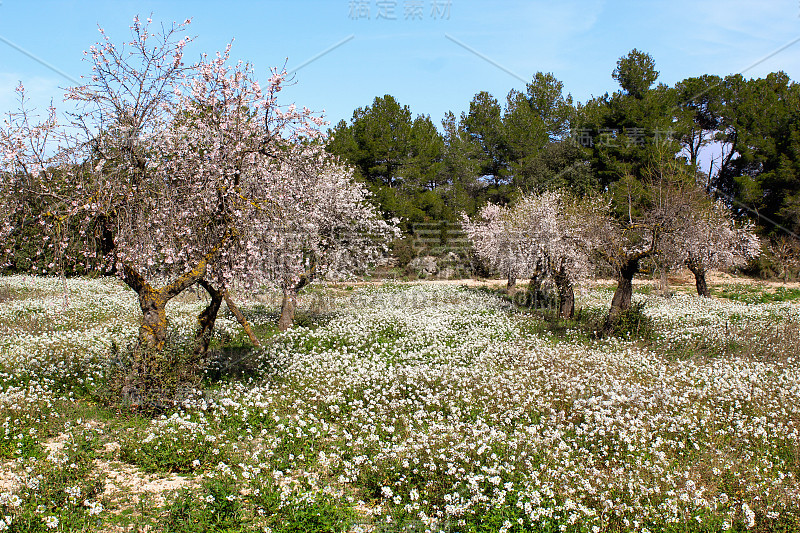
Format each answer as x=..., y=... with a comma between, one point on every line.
x=405, y=408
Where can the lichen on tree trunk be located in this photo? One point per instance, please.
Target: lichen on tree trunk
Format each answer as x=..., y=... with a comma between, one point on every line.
x=143, y=383
x=153, y=329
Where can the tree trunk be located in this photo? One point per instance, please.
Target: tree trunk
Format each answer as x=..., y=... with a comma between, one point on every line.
x=206, y=320
x=288, y=306
x=535, y=287
x=289, y=302
x=153, y=329
x=700, y=281
x=512, y=281
x=141, y=387
x=535, y=284
x=240, y=317
x=623, y=295
x=153, y=302
x=567, y=307
x=664, y=288
x=566, y=296
x=702, y=286
x=144, y=383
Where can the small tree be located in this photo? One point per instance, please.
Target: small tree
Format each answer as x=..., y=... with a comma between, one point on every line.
x=556, y=232
x=327, y=230
x=542, y=234
x=496, y=238
x=636, y=73
x=163, y=176
x=31, y=150
x=712, y=240
x=786, y=250
x=178, y=156
x=649, y=216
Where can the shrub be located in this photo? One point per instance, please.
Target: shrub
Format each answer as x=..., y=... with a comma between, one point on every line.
x=403, y=250
x=634, y=323
x=150, y=381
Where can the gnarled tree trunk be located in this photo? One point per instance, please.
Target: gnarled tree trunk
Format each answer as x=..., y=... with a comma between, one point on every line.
x=512, y=281
x=624, y=294
x=208, y=317
x=699, y=278
x=206, y=320
x=144, y=384
x=153, y=303
x=289, y=301
x=535, y=286
x=153, y=329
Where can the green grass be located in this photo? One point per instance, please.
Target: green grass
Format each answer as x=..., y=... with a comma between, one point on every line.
x=755, y=295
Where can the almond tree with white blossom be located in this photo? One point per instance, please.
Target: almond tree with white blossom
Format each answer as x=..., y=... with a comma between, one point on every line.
x=178, y=157
x=496, y=239
x=180, y=175
x=543, y=234
x=30, y=151
x=328, y=230
x=557, y=234
x=161, y=172
x=711, y=239
x=651, y=216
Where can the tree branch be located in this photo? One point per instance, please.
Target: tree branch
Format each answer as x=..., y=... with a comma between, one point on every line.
x=134, y=279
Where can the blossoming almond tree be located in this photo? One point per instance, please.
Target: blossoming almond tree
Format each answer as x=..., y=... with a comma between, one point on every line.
x=179, y=177
x=228, y=126
x=556, y=232
x=496, y=239
x=328, y=229
x=165, y=166
x=650, y=216
x=542, y=234
x=29, y=152
x=711, y=239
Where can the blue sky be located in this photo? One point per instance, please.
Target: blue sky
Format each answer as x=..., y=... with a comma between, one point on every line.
x=433, y=62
